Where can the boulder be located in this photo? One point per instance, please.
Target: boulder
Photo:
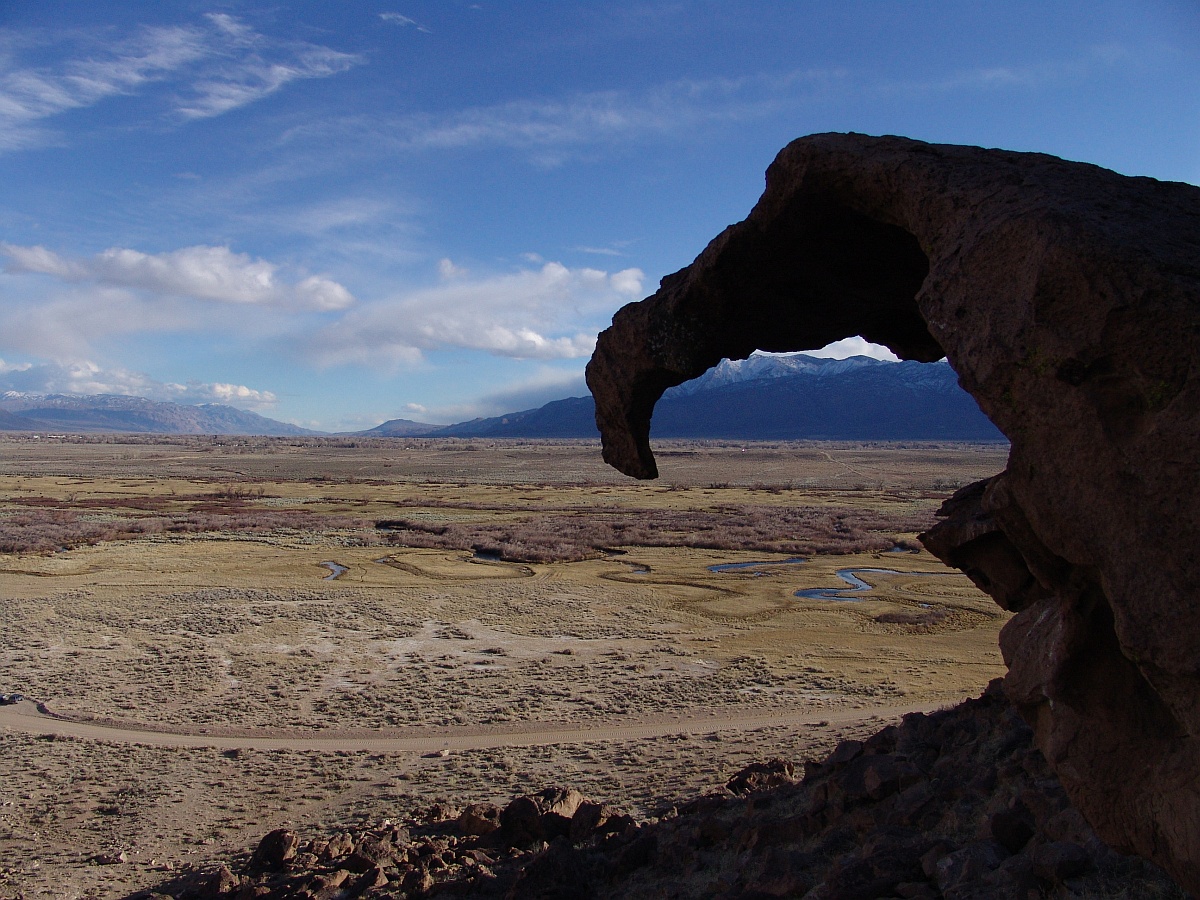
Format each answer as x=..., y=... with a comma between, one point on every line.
x=1059, y=860
x=762, y=775
x=1067, y=299
x=276, y=848
x=521, y=822
x=337, y=846
x=479, y=819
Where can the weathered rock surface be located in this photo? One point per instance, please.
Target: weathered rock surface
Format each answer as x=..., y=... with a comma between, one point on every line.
x=954, y=805
x=1067, y=299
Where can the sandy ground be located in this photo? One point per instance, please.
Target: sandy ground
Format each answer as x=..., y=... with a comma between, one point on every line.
x=182, y=662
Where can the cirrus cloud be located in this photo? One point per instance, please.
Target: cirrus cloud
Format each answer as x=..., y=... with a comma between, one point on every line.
x=396, y=18
x=213, y=66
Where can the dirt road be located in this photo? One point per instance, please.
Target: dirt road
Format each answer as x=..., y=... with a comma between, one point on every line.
x=27, y=717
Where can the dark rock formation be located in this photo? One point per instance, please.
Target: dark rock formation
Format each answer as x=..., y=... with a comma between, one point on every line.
x=956, y=805
x=1067, y=299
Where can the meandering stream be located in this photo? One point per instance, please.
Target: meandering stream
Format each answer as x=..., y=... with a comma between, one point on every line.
x=857, y=587
x=742, y=566
x=336, y=570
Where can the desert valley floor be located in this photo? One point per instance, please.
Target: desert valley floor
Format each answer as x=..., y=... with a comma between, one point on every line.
x=233, y=634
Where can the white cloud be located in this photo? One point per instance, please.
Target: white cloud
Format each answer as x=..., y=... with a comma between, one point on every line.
x=551, y=129
x=403, y=21
x=537, y=390
x=213, y=67
x=73, y=378
x=1032, y=75
x=628, y=282
x=550, y=126
x=235, y=394
x=30, y=95
x=253, y=78
x=448, y=269
x=68, y=324
x=546, y=313
x=338, y=215
x=202, y=273
x=86, y=377
x=239, y=33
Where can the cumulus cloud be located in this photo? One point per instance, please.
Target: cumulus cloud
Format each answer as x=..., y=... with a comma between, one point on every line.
x=529, y=314
x=74, y=378
x=86, y=377
x=232, y=394
x=213, y=67
x=628, y=282
x=202, y=273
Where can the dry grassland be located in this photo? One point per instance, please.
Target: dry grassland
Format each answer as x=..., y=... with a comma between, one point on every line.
x=182, y=585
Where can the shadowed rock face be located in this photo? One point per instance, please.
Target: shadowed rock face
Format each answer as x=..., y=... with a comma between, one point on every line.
x=1067, y=299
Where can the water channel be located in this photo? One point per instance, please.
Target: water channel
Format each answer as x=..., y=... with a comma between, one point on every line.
x=855, y=592
x=336, y=570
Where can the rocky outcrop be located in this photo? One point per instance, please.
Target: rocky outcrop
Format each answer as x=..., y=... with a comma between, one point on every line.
x=1067, y=299
x=956, y=805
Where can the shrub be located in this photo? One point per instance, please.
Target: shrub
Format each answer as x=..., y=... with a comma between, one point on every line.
x=557, y=537
x=45, y=530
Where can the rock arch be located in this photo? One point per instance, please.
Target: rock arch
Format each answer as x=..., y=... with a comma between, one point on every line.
x=1067, y=299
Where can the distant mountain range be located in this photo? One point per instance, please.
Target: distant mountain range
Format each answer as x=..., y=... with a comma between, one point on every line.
x=74, y=413
x=794, y=397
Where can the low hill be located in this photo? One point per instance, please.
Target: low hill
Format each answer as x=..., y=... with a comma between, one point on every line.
x=13, y=422
x=401, y=428
x=573, y=417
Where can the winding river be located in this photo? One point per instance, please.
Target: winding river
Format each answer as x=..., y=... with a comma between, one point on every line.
x=743, y=566
x=857, y=587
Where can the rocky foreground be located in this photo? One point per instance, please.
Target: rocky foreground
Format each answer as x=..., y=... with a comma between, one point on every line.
x=956, y=805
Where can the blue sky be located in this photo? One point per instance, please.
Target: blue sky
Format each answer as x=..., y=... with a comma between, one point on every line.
x=344, y=212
